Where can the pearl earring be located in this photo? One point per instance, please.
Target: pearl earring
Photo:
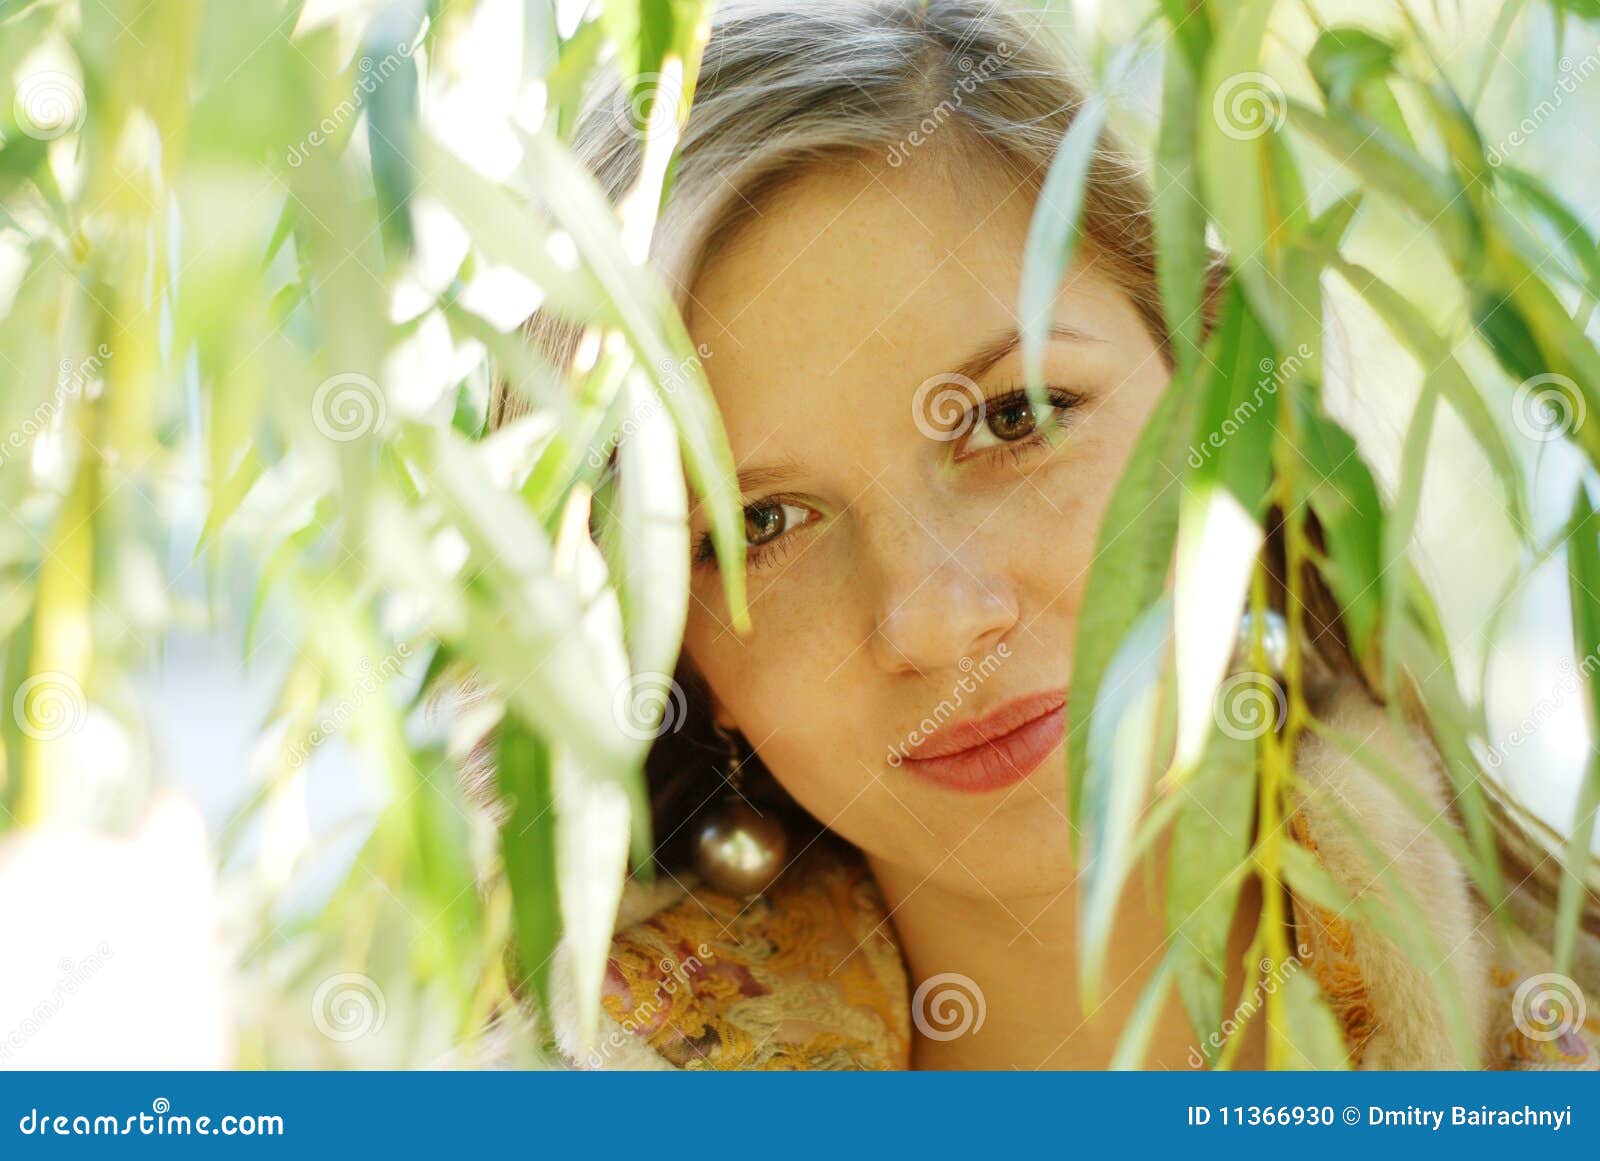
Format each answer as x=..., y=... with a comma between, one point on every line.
x=737, y=849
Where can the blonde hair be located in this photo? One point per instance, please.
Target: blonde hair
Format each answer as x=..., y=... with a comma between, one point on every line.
x=787, y=87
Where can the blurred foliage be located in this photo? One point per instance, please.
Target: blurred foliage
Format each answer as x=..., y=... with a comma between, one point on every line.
x=260, y=264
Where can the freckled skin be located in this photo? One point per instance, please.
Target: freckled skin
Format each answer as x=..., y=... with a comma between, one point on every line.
x=822, y=319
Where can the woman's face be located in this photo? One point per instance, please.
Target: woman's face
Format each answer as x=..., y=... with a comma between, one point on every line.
x=918, y=551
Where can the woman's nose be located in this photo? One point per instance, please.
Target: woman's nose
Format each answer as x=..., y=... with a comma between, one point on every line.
x=938, y=605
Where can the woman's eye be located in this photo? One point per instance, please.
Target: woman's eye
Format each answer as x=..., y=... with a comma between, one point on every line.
x=1010, y=419
x=764, y=523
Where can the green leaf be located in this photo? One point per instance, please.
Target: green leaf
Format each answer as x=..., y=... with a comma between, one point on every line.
x=1583, y=570
x=1210, y=842
x=1183, y=260
x=1133, y=554
x=392, y=119
x=646, y=533
x=1054, y=234
x=1314, y=1032
x=1122, y=748
x=1346, y=58
x=1142, y=1022
x=528, y=849
x=1343, y=496
x=1379, y=159
x=656, y=333
x=1238, y=106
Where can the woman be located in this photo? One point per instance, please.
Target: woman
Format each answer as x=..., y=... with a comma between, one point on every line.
x=851, y=203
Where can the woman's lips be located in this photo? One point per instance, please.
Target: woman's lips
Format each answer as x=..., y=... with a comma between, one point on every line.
x=994, y=751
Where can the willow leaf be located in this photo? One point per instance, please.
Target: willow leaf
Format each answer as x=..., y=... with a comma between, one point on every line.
x=1122, y=748
x=1054, y=233
x=1583, y=570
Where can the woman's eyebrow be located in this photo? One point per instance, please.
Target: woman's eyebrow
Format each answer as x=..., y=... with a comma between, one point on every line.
x=997, y=348
x=758, y=479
